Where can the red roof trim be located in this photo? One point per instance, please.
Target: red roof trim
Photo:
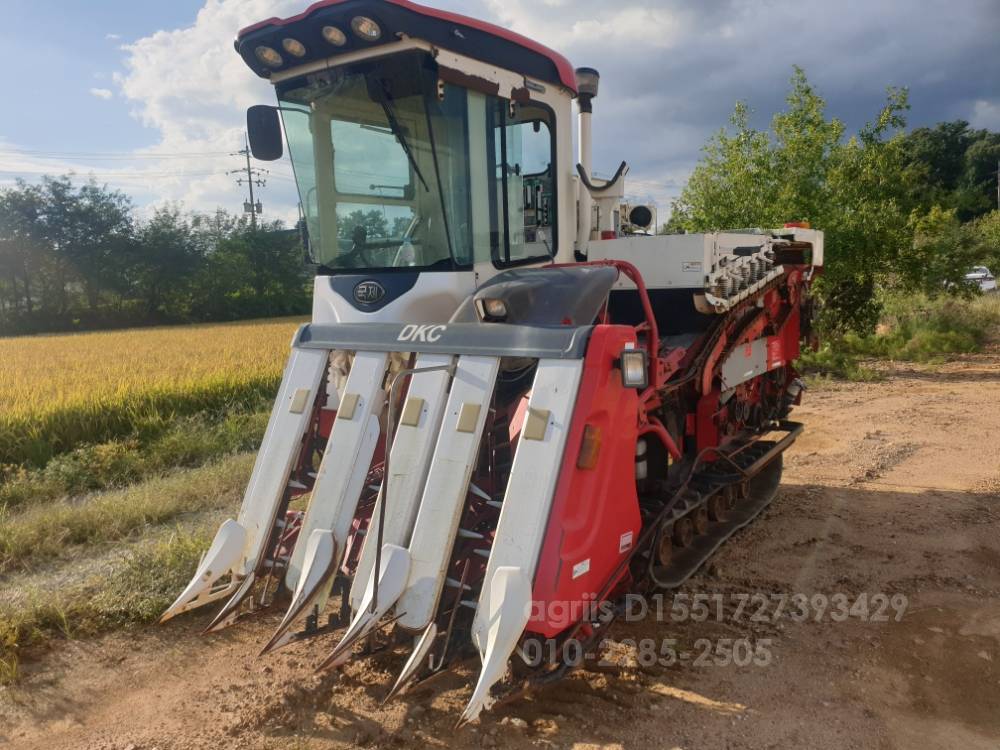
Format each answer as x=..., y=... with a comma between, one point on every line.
x=567, y=75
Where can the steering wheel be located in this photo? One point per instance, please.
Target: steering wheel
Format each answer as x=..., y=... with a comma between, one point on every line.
x=359, y=249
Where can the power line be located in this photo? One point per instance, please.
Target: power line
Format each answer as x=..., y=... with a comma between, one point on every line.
x=109, y=154
x=137, y=174
x=254, y=176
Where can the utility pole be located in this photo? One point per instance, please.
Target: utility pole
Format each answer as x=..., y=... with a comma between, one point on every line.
x=253, y=176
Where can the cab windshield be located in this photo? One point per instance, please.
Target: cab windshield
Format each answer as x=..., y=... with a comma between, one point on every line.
x=396, y=170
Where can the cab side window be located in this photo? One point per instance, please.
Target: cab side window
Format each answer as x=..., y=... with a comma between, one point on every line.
x=523, y=186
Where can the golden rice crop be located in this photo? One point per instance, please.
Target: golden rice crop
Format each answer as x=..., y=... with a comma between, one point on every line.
x=62, y=390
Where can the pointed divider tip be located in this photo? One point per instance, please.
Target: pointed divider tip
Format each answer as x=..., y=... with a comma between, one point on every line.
x=223, y=557
x=227, y=615
x=319, y=566
x=508, y=603
x=394, y=570
x=420, y=651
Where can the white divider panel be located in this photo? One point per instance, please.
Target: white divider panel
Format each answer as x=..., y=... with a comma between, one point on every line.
x=409, y=461
x=347, y=459
x=446, y=488
x=280, y=449
x=525, y=512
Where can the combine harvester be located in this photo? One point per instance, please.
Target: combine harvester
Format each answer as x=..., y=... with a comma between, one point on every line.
x=513, y=405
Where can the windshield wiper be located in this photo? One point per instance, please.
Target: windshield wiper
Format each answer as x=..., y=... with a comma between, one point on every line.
x=397, y=129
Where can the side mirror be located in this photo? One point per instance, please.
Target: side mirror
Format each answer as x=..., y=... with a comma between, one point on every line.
x=264, y=132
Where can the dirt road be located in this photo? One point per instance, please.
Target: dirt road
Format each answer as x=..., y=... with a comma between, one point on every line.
x=894, y=491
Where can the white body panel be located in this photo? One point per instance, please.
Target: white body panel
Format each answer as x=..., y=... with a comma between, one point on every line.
x=432, y=299
x=408, y=466
x=345, y=465
x=279, y=450
x=666, y=260
x=524, y=514
x=445, y=491
x=239, y=545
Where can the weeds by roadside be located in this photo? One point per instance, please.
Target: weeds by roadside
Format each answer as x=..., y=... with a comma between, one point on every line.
x=914, y=328
x=57, y=529
x=136, y=590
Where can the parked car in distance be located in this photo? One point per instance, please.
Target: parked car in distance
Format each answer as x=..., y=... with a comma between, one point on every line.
x=980, y=276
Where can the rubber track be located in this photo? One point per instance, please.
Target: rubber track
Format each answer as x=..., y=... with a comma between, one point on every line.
x=686, y=561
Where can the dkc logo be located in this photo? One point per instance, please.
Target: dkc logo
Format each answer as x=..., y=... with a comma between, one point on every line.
x=427, y=333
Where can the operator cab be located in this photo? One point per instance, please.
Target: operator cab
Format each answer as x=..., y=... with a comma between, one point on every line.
x=421, y=172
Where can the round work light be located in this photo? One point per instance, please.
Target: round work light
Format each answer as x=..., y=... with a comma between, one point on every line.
x=334, y=36
x=365, y=28
x=294, y=47
x=269, y=57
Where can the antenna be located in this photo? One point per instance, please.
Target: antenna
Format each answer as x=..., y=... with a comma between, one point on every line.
x=252, y=176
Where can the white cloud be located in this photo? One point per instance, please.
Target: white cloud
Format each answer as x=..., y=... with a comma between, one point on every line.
x=190, y=86
x=671, y=72
x=113, y=37
x=102, y=93
x=985, y=114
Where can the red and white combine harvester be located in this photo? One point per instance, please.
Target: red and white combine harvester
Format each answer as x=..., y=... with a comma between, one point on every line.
x=514, y=405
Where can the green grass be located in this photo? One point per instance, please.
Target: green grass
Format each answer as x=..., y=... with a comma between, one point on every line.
x=59, y=529
x=914, y=328
x=831, y=360
x=186, y=442
x=917, y=329
x=136, y=590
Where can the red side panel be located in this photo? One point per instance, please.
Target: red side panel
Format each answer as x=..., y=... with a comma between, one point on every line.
x=595, y=512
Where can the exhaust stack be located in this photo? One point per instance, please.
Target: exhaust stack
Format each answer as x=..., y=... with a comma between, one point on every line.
x=587, y=81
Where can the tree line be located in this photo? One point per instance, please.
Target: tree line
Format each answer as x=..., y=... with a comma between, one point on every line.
x=909, y=211
x=75, y=256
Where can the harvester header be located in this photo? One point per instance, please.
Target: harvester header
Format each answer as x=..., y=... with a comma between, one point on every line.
x=516, y=403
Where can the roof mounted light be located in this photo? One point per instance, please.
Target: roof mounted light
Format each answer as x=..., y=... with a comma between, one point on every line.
x=365, y=28
x=293, y=47
x=269, y=56
x=587, y=80
x=334, y=36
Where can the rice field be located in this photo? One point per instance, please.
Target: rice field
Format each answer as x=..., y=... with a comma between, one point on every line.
x=60, y=391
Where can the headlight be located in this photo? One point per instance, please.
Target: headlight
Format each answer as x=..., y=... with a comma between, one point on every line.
x=635, y=373
x=294, y=47
x=366, y=28
x=334, y=36
x=269, y=57
x=492, y=310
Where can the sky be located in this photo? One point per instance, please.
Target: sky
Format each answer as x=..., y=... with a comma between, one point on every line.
x=150, y=98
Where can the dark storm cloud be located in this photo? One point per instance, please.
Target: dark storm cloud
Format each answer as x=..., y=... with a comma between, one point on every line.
x=672, y=71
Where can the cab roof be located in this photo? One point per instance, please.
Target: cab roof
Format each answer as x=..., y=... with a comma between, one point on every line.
x=461, y=34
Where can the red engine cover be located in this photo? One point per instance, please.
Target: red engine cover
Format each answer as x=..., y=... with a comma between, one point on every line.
x=595, y=512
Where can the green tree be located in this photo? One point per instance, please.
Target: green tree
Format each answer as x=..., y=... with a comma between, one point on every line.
x=986, y=234
x=21, y=250
x=953, y=166
x=804, y=169
x=373, y=221
x=87, y=230
x=165, y=257
x=253, y=273
x=942, y=252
